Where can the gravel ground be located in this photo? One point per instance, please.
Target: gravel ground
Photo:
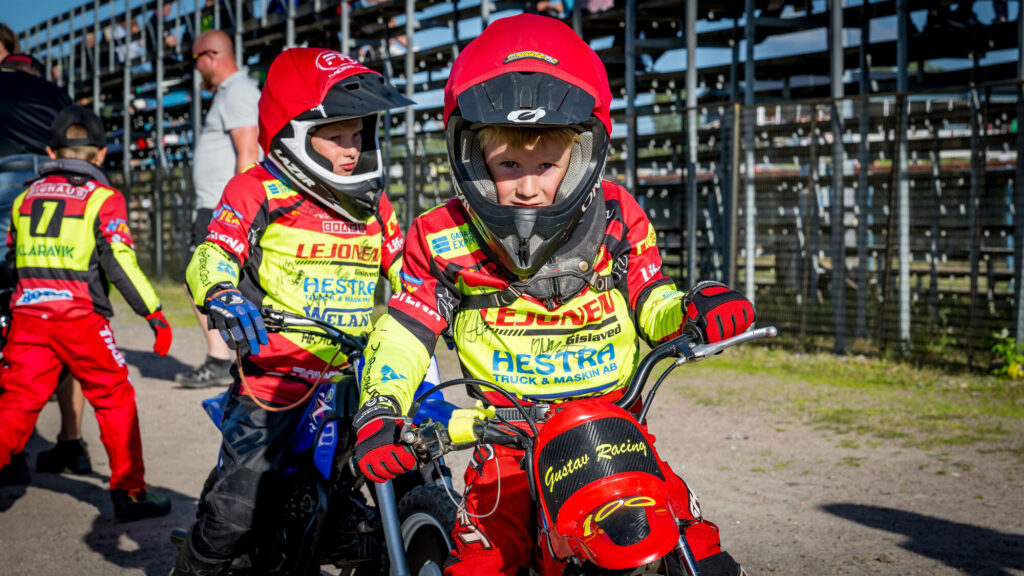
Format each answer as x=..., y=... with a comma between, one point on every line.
x=788, y=498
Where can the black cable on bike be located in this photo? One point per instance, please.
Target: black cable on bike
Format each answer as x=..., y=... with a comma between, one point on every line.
x=650, y=397
x=490, y=385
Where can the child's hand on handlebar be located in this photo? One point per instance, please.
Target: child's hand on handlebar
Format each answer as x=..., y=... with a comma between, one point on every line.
x=380, y=453
x=238, y=320
x=716, y=311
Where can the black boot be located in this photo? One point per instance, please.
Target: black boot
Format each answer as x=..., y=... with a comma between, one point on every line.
x=191, y=563
x=131, y=505
x=66, y=455
x=16, y=472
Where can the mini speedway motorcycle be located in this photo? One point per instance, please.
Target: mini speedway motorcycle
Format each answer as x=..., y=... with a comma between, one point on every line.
x=604, y=505
x=325, y=516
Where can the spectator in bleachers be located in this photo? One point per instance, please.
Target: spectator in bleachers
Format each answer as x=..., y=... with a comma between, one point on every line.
x=226, y=145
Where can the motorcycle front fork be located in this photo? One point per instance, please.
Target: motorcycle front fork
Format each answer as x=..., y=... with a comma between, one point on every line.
x=686, y=556
x=388, y=507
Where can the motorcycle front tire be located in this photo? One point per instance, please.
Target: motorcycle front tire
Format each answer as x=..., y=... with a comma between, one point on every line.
x=427, y=517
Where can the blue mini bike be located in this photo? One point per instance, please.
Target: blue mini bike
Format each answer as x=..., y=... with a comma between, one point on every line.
x=326, y=518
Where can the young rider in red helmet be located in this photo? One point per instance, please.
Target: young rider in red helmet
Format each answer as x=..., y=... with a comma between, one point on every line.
x=545, y=274
x=308, y=230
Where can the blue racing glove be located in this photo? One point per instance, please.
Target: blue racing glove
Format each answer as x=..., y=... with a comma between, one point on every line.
x=238, y=320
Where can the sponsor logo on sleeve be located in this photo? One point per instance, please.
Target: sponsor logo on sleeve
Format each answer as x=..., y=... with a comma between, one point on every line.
x=410, y=283
x=387, y=374
x=227, y=216
x=274, y=187
x=118, y=230
x=234, y=244
x=225, y=267
x=453, y=242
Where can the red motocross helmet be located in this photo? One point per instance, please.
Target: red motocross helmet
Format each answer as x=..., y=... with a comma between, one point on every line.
x=307, y=88
x=528, y=70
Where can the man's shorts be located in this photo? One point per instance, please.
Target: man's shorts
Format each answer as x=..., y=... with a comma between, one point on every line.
x=199, y=229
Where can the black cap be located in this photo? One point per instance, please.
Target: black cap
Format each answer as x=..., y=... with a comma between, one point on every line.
x=95, y=134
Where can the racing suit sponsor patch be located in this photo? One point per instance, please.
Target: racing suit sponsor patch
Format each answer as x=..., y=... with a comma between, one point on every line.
x=38, y=295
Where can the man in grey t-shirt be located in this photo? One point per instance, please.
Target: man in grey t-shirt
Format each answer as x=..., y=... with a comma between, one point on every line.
x=226, y=145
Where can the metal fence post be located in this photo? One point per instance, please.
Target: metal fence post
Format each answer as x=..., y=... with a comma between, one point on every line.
x=346, y=29
x=864, y=156
x=1018, y=195
x=410, y=114
x=903, y=210
x=838, y=193
x=748, y=141
x=126, y=94
x=239, y=27
x=691, y=141
x=71, y=54
x=290, y=26
x=161, y=166
x=97, y=64
x=731, y=199
x=630, y=96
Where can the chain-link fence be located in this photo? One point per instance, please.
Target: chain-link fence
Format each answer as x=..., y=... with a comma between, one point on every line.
x=873, y=242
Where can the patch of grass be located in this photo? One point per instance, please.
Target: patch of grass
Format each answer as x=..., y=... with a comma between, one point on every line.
x=851, y=461
x=781, y=465
x=758, y=469
x=849, y=443
x=883, y=399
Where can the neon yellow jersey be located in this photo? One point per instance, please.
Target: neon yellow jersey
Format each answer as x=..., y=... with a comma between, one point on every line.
x=68, y=242
x=283, y=250
x=587, y=346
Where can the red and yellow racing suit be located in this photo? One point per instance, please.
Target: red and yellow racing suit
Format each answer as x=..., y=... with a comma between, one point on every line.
x=284, y=250
x=586, y=347
x=69, y=240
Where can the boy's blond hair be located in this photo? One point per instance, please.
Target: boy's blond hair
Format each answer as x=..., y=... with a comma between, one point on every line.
x=87, y=153
x=523, y=138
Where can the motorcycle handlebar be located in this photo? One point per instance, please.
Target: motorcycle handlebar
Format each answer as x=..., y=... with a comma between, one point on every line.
x=687, y=350
x=284, y=321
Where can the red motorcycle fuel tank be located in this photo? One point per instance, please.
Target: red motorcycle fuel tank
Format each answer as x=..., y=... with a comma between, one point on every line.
x=601, y=488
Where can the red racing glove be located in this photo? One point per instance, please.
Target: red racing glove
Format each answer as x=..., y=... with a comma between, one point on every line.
x=379, y=451
x=716, y=311
x=162, y=331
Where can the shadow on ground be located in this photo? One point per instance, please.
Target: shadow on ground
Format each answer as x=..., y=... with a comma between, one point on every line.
x=970, y=549
x=156, y=367
x=143, y=544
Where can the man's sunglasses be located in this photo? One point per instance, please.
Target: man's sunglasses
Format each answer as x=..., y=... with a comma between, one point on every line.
x=196, y=57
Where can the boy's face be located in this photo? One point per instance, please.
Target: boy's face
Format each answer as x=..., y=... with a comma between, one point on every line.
x=340, y=143
x=527, y=176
